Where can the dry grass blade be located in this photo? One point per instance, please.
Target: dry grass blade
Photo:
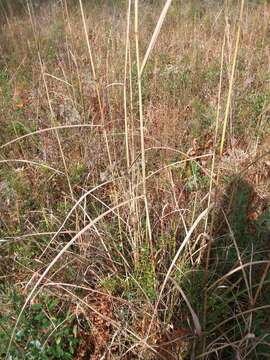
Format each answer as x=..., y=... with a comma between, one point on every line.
x=125, y=85
x=47, y=130
x=236, y=316
x=78, y=202
x=142, y=128
x=155, y=34
x=239, y=257
x=259, y=289
x=176, y=257
x=89, y=47
x=195, y=318
x=238, y=268
x=136, y=25
x=52, y=263
x=228, y=104
x=33, y=163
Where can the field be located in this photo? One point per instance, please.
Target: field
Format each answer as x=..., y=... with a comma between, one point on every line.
x=134, y=179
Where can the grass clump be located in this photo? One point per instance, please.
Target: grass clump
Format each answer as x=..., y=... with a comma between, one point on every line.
x=134, y=192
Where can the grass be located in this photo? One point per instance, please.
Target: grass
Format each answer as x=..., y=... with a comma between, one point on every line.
x=134, y=192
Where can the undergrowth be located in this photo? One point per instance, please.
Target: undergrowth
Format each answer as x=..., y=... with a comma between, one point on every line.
x=134, y=220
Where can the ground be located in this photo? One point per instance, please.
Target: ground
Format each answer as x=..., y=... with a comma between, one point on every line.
x=134, y=200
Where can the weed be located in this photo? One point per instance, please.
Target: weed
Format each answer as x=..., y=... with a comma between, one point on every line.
x=119, y=155
x=47, y=330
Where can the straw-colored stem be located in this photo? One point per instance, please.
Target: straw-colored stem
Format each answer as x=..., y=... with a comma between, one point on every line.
x=140, y=98
x=228, y=104
x=141, y=124
x=125, y=84
x=206, y=274
x=96, y=83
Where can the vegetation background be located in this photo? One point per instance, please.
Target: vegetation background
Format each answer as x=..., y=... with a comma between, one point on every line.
x=134, y=179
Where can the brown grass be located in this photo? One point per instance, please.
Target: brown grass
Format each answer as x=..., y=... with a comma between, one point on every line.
x=122, y=127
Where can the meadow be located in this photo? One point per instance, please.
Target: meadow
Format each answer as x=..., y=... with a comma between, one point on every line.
x=134, y=179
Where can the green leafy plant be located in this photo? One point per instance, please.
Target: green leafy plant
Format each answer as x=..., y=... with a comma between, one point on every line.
x=46, y=330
